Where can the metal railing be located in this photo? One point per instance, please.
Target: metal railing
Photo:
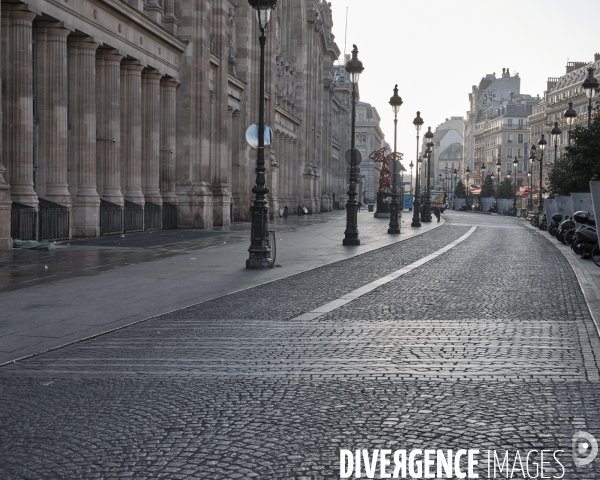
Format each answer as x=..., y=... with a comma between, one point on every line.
x=54, y=221
x=111, y=218
x=152, y=216
x=169, y=215
x=134, y=217
x=23, y=222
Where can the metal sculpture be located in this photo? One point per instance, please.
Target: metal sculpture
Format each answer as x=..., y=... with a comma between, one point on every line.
x=379, y=156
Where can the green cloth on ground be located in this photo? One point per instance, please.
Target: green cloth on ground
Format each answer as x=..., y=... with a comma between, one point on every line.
x=33, y=245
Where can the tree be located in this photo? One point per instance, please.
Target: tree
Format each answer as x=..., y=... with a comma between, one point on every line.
x=580, y=161
x=487, y=190
x=505, y=190
x=460, y=191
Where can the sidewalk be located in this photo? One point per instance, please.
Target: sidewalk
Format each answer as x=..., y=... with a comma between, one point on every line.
x=79, y=304
x=588, y=275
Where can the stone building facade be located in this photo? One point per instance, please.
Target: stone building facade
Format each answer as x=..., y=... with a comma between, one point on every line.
x=131, y=115
x=559, y=92
x=496, y=128
x=369, y=138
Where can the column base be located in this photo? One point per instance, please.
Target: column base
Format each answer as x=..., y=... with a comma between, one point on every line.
x=5, y=209
x=194, y=207
x=86, y=217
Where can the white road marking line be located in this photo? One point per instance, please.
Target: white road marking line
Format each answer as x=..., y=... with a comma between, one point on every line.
x=359, y=292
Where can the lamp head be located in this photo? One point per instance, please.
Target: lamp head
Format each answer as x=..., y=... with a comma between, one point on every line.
x=354, y=66
x=418, y=122
x=429, y=137
x=515, y=162
x=263, y=10
x=396, y=101
x=590, y=84
x=556, y=131
x=542, y=143
x=570, y=114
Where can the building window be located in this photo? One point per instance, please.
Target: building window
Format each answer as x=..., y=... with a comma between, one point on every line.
x=361, y=117
x=519, y=152
x=508, y=167
x=361, y=139
x=520, y=123
x=520, y=138
x=510, y=122
x=510, y=138
x=509, y=152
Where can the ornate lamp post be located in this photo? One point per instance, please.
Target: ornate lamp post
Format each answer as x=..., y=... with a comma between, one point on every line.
x=529, y=182
x=427, y=204
x=571, y=115
x=468, y=172
x=454, y=186
x=411, y=165
x=515, y=165
x=394, y=227
x=590, y=84
x=416, y=220
x=556, y=131
x=260, y=249
x=542, y=144
x=354, y=67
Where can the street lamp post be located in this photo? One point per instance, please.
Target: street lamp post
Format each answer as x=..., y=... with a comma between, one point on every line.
x=411, y=165
x=498, y=171
x=515, y=165
x=530, y=183
x=542, y=144
x=468, y=172
x=416, y=220
x=354, y=67
x=394, y=226
x=260, y=249
x=427, y=210
x=590, y=84
x=454, y=186
x=570, y=114
x=556, y=132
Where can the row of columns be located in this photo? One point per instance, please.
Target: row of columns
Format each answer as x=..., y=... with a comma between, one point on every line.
x=106, y=125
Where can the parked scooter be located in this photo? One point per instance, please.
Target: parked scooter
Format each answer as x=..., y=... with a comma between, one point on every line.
x=543, y=223
x=586, y=238
x=580, y=218
x=566, y=225
x=553, y=227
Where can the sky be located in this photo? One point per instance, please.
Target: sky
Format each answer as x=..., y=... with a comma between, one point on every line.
x=436, y=50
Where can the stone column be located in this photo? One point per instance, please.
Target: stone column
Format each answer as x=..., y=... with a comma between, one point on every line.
x=82, y=137
x=131, y=130
x=17, y=101
x=151, y=126
x=154, y=11
x=5, y=201
x=169, y=20
x=108, y=125
x=168, y=139
x=52, y=112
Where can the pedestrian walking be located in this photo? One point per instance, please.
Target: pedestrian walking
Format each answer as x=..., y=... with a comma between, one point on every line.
x=437, y=213
x=359, y=205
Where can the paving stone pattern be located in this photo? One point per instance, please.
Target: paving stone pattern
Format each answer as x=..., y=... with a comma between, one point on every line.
x=488, y=346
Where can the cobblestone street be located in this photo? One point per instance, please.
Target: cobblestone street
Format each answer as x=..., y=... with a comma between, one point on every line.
x=459, y=338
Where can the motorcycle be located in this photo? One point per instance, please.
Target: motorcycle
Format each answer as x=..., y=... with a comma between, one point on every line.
x=543, y=223
x=553, y=227
x=581, y=217
x=566, y=225
x=586, y=238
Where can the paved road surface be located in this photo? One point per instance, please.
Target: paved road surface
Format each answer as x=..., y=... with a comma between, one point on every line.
x=487, y=345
